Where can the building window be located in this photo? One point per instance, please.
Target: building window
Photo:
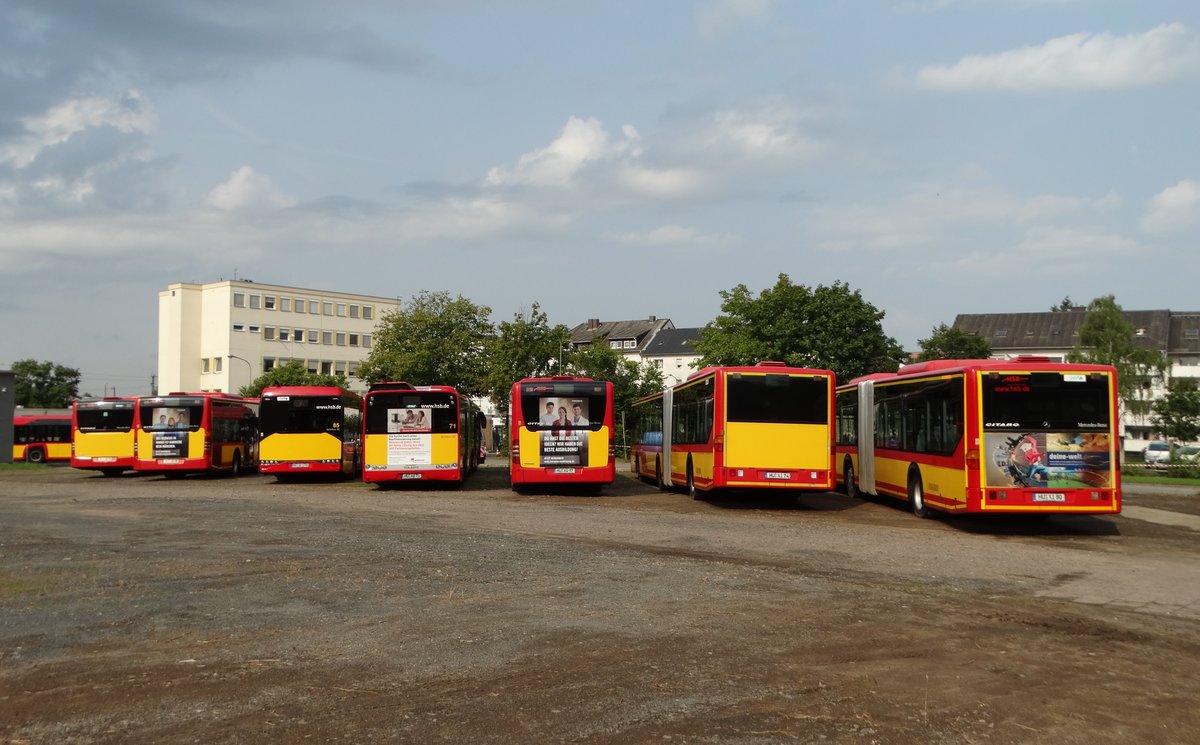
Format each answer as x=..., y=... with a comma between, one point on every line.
x=239, y=327
x=1001, y=332
x=327, y=308
x=1192, y=333
x=283, y=334
x=285, y=304
x=327, y=338
x=254, y=329
x=217, y=364
x=255, y=302
x=269, y=302
x=366, y=340
x=354, y=311
x=354, y=340
x=326, y=367
x=314, y=307
x=299, y=305
x=658, y=364
x=204, y=365
x=313, y=337
x=268, y=363
x=239, y=300
x=340, y=368
x=298, y=335
x=368, y=312
x=341, y=338
x=312, y=366
x=341, y=310
x=614, y=344
x=268, y=333
x=351, y=368
x=631, y=343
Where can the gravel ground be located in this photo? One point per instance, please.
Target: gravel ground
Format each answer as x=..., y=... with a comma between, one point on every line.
x=138, y=610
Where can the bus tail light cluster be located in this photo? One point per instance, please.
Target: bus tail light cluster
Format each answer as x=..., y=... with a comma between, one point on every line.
x=515, y=448
x=973, y=459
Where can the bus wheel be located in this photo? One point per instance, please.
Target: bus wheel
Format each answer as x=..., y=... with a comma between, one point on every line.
x=693, y=492
x=637, y=467
x=236, y=470
x=848, y=475
x=35, y=455
x=916, y=494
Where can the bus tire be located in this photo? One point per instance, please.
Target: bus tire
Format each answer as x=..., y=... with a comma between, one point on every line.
x=692, y=490
x=35, y=455
x=916, y=493
x=236, y=469
x=848, y=476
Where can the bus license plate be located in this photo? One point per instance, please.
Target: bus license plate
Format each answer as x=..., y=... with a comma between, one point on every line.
x=1050, y=497
x=300, y=465
x=779, y=475
x=103, y=459
x=410, y=476
x=170, y=461
x=564, y=470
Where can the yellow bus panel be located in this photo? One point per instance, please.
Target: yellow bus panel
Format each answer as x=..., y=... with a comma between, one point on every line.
x=776, y=446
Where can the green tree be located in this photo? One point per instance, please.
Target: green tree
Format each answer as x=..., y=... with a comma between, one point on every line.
x=1064, y=305
x=435, y=339
x=823, y=327
x=1177, y=414
x=524, y=347
x=293, y=373
x=949, y=343
x=44, y=385
x=1106, y=338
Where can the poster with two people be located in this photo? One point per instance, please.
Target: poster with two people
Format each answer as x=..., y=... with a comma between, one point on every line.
x=564, y=431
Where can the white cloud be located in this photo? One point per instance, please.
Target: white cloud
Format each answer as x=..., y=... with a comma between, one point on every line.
x=1165, y=54
x=672, y=235
x=1174, y=209
x=582, y=141
x=717, y=17
x=247, y=190
x=128, y=114
x=774, y=133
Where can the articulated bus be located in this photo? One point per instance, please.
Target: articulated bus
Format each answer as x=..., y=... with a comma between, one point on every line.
x=419, y=433
x=38, y=438
x=183, y=433
x=1024, y=435
x=561, y=431
x=309, y=429
x=763, y=427
x=102, y=435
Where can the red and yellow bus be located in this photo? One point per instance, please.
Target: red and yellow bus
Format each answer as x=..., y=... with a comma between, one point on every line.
x=183, y=433
x=309, y=429
x=102, y=436
x=419, y=433
x=768, y=426
x=561, y=432
x=1025, y=435
x=38, y=438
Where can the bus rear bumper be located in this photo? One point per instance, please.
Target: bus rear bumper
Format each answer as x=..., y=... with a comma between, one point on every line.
x=817, y=479
x=565, y=475
x=300, y=466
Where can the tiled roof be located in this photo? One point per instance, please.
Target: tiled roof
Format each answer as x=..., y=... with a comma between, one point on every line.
x=587, y=332
x=1060, y=329
x=672, y=343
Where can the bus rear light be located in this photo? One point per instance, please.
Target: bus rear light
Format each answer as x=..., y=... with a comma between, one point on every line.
x=516, y=452
x=972, y=459
x=719, y=442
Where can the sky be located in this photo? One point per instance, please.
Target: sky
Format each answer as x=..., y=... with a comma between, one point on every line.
x=607, y=160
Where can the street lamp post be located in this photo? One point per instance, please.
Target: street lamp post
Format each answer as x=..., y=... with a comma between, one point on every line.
x=249, y=369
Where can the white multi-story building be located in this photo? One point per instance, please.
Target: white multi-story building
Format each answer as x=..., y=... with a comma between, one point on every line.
x=222, y=335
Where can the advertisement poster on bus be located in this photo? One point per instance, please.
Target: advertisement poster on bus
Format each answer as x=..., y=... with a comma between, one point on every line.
x=168, y=418
x=1061, y=460
x=410, y=439
x=170, y=444
x=564, y=432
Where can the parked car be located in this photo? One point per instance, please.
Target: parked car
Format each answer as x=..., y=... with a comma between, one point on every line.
x=1188, y=454
x=1157, y=453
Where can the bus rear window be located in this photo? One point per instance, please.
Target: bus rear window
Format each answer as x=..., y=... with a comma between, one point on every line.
x=1046, y=401
x=301, y=415
x=104, y=420
x=171, y=413
x=416, y=412
x=777, y=399
x=564, y=405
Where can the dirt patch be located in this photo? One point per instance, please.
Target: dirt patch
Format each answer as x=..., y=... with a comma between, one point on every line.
x=246, y=611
